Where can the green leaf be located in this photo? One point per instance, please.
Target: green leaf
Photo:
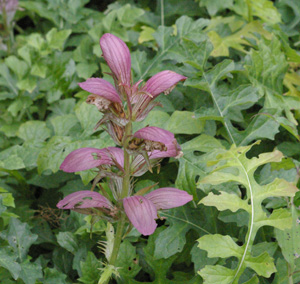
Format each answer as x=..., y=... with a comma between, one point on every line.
x=225, y=201
x=90, y=269
x=263, y=265
x=56, y=39
x=184, y=122
x=62, y=124
x=219, y=246
x=19, y=67
x=19, y=237
x=34, y=130
x=8, y=261
x=28, y=84
x=53, y=276
x=30, y=272
x=288, y=239
x=217, y=274
x=7, y=198
x=68, y=241
x=86, y=70
x=129, y=16
x=19, y=104
x=214, y=6
x=128, y=261
x=39, y=69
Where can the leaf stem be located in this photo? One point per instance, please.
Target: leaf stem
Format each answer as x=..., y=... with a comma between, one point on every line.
x=250, y=16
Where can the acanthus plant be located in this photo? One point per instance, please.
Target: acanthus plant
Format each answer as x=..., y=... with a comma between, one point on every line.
x=121, y=105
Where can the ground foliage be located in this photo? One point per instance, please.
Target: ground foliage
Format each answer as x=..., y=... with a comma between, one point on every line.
x=243, y=87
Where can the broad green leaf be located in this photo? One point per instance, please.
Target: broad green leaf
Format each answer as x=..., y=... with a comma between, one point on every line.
x=184, y=122
x=129, y=15
x=19, y=104
x=220, y=246
x=28, y=84
x=63, y=123
x=19, y=67
x=7, y=198
x=8, y=261
x=90, y=269
x=128, y=261
x=54, y=276
x=214, y=6
x=68, y=241
x=56, y=39
x=263, y=264
x=10, y=159
x=217, y=274
x=33, y=131
x=19, y=237
x=146, y=34
x=30, y=272
x=86, y=70
x=39, y=69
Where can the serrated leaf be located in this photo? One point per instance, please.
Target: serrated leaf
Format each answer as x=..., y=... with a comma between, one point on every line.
x=225, y=201
x=19, y=237
x=8, y=261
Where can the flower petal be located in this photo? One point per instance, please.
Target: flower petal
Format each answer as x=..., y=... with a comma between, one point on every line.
x=154, y=133
x=142, y=214
x=162, y=82
x=84, y=199
x=117, y=56
x=88, y=158
x=168, y=197
x=101, y=88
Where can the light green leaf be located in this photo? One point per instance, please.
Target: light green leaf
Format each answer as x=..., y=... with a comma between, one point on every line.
x=39, y=69
x=56, y=39
x=225, y=201
x=90, y=269
x=63, y=123
x=219, y=246
x=129, y=15
x=263, y=264
x=217, y=274
x=34, y=130
x=214, y=6
x=28, y=84
x=86, y=70
x=53, y=276
x=19, y=67
x=184, y=122
x=7, y=198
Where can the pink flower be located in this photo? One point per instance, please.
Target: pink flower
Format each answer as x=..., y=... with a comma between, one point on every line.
x=160, y=142
x=140, y=210
x=88, y=158
x=138, y=100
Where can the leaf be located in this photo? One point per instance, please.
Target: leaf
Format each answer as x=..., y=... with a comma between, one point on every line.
x=288, y=239
x=217, y=274
x=225, y=201
x=19, y=67
x=129, y=15
x=219, y=246
x=128, y=261
x=214, y=6
x=172, y=240
x=53, y=276
x=30, y=272
x=68, y=241
x=7, y=198
x=56, y=39
x=233, y=165
x=62, y=124
x=8, y=261
x=86, y=70
x=90, y=269
x=34, y=130
x=19, y=237
x=184, y=122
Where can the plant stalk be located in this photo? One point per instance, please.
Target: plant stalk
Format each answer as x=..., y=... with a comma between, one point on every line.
x=124, y=193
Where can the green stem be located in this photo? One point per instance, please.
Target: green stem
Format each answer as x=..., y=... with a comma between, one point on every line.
x=124, y=193
x=250, y=17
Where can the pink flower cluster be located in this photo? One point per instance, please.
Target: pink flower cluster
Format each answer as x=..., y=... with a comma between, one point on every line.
x=122, y=104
